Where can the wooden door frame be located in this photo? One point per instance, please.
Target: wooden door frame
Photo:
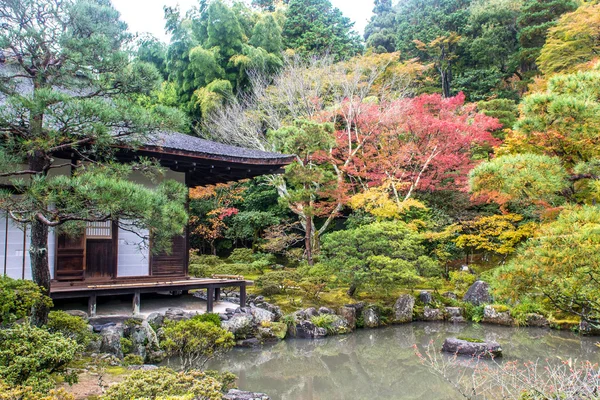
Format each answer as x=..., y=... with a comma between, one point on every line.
x=115, y=251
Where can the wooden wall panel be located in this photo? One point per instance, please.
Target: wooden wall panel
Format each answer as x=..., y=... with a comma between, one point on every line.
x=173, y=263
x=70, y=257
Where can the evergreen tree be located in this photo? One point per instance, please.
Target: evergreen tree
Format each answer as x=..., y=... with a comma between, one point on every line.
x=380, y=33
x=267, y=35
x=153, y=51
x=316, y=28
x=537, y=16
x=69, y=54
x=431, y=30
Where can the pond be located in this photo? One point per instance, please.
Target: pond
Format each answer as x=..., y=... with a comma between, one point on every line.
x=381, y=363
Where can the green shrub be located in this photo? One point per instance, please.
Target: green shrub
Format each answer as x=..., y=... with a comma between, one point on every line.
x=279, y=281
x=164, y=382
x=195, y=341
x=473, y=312
x=17, y=297
x=70, y=326
x=201, y=270
x=260, y=265
x=205, y=259
x=209, y=317
x=133, y=359
x=325, y=321
x=126, y=345
x=241, y=256
x=226, y=379
x=29, y=355
x=378, y=256
x=521, y=310
x=27, y=393
x=266, y=257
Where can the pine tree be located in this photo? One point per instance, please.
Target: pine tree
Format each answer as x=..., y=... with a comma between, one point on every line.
x=69, y=54
x=537, y=16
x=380, y=33
x=316, y=28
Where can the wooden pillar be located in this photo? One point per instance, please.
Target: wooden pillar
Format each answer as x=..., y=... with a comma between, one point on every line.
x=92, y=305
x=218, y=294
x=136, y=302
x=243, y=295
x=209, y=299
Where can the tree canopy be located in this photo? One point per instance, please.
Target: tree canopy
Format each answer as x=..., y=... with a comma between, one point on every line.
x=69, y=87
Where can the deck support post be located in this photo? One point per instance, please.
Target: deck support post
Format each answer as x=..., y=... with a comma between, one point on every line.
x=92, y=305
x=218, y=294
x=243, y=295
x=136, y=302
x=209, y=299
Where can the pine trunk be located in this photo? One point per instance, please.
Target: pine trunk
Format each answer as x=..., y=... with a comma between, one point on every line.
x=40, y=269
x=38, y=252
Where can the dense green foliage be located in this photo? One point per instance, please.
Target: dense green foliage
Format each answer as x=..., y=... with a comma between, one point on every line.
x=69, y=326
x=166, y=383
x=196, y=341
x=561, y=263
x=485, y=48
x=30, y=356
x=18, y=297
x=383, y=254
x=316, y=28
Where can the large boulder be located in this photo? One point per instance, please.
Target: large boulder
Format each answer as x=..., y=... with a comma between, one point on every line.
x=241, y=325
x=478, y=293
x=261, y=315
x=349, y=314
x=498, y=315
x=450, y=295
x=235, y=394
x=472, y=348
x=425, y=297
x=403, y=308
x=177, y=314
x=340, y=325
x=144, y=340
x=311, y=312
x=325, y=310
x=432, y=314
x=308, y=330
x=536, y=320
x=274, y=331
x=371, y=317
x=111, y=340
x=455, y=314
x=156, y=319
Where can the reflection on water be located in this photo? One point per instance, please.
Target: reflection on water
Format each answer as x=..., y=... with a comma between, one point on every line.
x=380, y=363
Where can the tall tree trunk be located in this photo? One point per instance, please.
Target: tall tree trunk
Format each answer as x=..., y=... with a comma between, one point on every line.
x=39, y=268
x=446, y=76
x=38, y=250
x=308, y=240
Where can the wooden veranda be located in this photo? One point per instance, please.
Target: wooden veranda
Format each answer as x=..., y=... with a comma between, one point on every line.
x=135, y=287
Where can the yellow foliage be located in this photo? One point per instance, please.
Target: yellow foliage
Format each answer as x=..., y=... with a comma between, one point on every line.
x=497, y=233
x=377, y=202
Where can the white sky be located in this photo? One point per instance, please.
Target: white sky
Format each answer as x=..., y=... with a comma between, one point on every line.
x=147, y=15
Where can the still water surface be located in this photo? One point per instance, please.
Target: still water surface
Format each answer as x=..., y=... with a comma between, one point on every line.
x=381, y=363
